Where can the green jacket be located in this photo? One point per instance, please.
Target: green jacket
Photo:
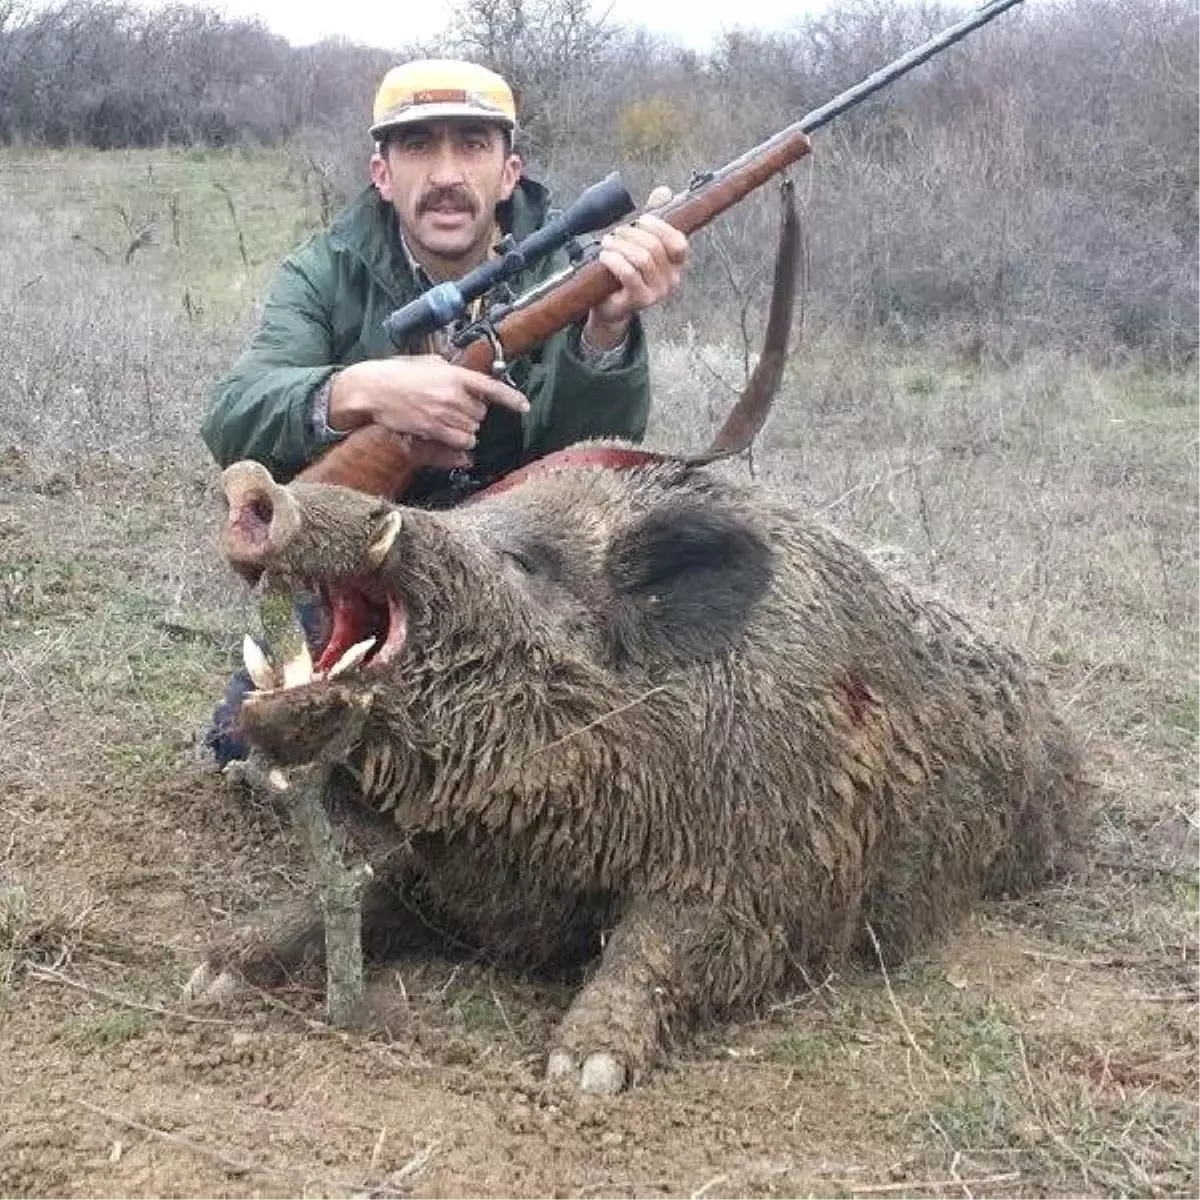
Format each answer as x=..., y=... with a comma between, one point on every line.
x=325, y=309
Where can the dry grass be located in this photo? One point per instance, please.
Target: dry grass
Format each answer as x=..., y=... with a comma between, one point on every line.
x=1049, y=1048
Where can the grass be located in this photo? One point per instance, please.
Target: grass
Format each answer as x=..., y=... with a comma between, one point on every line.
x=215, y=222
x=1183, y=715
x=109, y=1028
x=1050, y=1045
x=1149, y=391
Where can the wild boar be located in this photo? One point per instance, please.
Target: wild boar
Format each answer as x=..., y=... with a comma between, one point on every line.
x=651, y=722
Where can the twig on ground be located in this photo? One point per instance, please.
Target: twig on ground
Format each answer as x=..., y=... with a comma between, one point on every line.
x=930, y=1185
x=77, y=237
x=378, y=1148
x=1142, y=867
x=414, y=1166
x=236, y=1166
x=869, y=485
x=1053, y=1134
x=887, y=983
x=1033, y=1096
x=731, y=388
x=1112, y=962
x=503, y=1015
x=50, y=975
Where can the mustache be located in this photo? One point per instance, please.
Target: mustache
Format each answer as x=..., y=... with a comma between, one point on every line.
x=457, y=199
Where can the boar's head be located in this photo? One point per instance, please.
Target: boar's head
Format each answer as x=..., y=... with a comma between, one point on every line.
x=539, y=608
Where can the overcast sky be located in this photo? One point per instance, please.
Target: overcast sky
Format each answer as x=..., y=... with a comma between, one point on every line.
x=692, y=22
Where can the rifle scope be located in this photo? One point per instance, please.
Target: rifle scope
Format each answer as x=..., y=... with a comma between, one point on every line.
x=597, y=207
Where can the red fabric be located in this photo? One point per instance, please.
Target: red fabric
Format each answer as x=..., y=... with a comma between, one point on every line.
x=614, y=458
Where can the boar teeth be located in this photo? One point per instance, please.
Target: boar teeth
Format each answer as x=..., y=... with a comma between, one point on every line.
x=352, y=657
x=257, y=664
x=299, y=669
x=377, y=551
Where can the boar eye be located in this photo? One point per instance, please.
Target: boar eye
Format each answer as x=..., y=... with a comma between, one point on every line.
x=518, y=560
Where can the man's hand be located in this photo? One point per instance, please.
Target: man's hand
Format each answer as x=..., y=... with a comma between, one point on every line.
x=647, y=259
x=422, y=396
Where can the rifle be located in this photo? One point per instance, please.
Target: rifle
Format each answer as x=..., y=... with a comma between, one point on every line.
x=377, y=460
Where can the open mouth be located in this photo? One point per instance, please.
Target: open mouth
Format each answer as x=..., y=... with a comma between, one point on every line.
x=368, y=628
x=365, y=624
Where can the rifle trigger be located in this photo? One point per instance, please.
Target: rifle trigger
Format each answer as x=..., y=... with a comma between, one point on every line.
x=499, y=365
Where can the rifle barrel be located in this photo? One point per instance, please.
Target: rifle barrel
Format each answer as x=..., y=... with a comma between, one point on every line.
x=881, y=78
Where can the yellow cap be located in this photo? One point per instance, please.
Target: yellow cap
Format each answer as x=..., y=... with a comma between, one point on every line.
x=434, y=89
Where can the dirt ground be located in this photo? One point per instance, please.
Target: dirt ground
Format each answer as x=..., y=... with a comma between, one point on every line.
x=1010, y=1062
x=1048, y=1048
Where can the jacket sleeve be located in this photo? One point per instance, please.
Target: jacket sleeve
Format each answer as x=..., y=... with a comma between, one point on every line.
x=260, y=409
x=582, y=402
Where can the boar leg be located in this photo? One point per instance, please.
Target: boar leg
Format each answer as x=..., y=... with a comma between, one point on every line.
x=616, y=1024
x=289, y=940
x=662, y=967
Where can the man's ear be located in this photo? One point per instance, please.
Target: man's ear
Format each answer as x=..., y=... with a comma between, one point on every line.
x=685, y=578
x=508, y=180
x=381, y=175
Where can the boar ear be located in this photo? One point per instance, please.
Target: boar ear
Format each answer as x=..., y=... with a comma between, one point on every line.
x=685, y=577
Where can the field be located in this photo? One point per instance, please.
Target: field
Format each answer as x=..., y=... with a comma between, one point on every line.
x=1049, y=1047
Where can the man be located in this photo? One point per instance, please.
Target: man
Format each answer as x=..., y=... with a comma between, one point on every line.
x=445, y=186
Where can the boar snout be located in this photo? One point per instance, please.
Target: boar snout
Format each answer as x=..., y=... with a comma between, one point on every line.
x=263, y=517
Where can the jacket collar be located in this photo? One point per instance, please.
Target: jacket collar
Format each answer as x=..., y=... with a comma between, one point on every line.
x=368, y=228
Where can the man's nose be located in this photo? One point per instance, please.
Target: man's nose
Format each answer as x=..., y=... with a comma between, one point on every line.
x=446, y=167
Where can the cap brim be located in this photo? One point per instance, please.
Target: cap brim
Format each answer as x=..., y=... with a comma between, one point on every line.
x=420, y=114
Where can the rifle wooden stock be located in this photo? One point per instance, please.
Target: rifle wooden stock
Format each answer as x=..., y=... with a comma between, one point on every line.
x=376, y=460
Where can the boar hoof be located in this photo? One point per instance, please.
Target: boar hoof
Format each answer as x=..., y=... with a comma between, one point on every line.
x=560, y=1065
x=602, y=1073
x=206, y=985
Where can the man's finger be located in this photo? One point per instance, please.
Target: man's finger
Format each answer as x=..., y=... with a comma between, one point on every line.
x=659, y=196
x=636, y=235
x=448, y=434
x=629, y=277
x=640, y=249
x=494, y=390
x=674, y=243
x=472, y=408
x=457, y=419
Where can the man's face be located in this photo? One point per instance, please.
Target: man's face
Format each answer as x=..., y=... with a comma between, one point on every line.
x=444, y=179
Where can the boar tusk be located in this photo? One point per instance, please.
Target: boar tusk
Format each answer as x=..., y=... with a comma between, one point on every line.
x=298, y=669
x=352, y=657
x=258, y=665
x=382, y=542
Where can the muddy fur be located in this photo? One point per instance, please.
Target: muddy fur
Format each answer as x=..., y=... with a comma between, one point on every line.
x=651, y=721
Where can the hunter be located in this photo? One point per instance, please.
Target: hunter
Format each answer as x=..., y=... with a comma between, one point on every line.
x=445, y=186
